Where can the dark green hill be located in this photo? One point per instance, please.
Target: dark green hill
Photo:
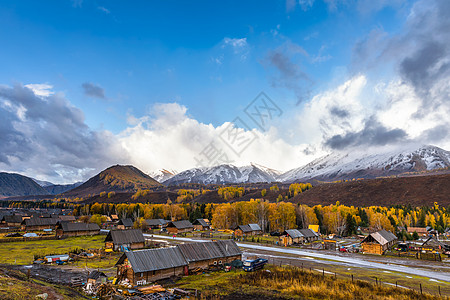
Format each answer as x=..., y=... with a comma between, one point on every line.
x=12, y=184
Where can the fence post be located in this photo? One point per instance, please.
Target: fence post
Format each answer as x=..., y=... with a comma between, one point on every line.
x=396, y=284
x=420, y=288
x=352, y=277
x=323, y=272
x=376, y=280
x=439, y=289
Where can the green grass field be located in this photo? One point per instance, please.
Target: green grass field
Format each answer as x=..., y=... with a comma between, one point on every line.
x=22, y=253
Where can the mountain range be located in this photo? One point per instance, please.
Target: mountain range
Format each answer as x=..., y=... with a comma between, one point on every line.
x=335, y=166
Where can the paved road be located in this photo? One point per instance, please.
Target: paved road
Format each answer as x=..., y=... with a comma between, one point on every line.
x=350, y=261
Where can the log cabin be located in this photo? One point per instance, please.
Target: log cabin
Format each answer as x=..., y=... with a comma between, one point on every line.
x=120, y=240
x=66, y=229
x=182, y=226
x=378, y=242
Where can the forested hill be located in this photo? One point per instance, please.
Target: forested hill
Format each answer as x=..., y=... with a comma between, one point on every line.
x=414, y=190
x=115, y=179
x=12, y=184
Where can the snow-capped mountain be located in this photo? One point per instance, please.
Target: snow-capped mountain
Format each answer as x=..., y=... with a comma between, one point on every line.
x=224, y=174
x=162, y=175
x=359, y=164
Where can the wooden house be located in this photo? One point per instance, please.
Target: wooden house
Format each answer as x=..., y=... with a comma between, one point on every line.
x=121, y=240
x=66, y=229
x=203, y=255
x=202, y=224
x=309, y=235
x=67, y=218
x=291, y=236
x=182, y=226
x=247, y=230
x=96, y=277
x=421, y=231
x=143, y=266
x=125, y=224
x=12, y=220
x=378, y=242
x=156, y=223
x=39, y=223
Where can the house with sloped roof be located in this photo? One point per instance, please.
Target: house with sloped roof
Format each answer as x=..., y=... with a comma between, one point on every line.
x=67, y=218
x=202, y=224
x=125, y=224
x=156, y=223
x=175, y=227
x=143, y=266
x=95, y=277
x=66, y=229
x=206, y=254
x=291, y=236
x=247, y=230
x=39, y=223
x=378, y=242
x=121, y=240
x=12, y=220
x=309, y=235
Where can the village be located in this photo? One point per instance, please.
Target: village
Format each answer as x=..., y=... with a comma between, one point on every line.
x=118, y=259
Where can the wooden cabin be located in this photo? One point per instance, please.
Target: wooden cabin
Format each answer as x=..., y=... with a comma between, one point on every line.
x=125, y=224
x=121, y=240
x=247, y=230
x=421, y=231
x=206, y=254
x=309, y=235
x=156, y=223
x=290, y=237
x=12, y=220
x=182, y=226
x=96, y=277
x=39, y=223
x=66, y=229
x=67, y=218
x=202, y=224
x=143, y=266
x=378, y=242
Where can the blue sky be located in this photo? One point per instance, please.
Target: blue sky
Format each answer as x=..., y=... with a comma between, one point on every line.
x=116, y=62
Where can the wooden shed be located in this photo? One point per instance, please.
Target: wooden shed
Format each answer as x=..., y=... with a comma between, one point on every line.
x=421, y=231
x=202, y=224
x=203, y=255
x=378, y=242
x=248, y=230
x=143, y=266
x=309, y=235
x=12, y=220
x=175, y=227
x=125, y=224
x=121, y=240
x=66, y=229
x=95, y=277
x=39, y=223
x=156, y=223
x=291, y=236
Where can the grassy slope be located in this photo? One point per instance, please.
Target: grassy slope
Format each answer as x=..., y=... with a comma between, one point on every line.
x=291, y=283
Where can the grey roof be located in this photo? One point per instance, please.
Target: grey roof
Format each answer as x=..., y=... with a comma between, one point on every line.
x=249, y=227
x=255, y=227
x=180, y=224
x=126, y=222
x=40, y=221
x=12, y=219
x=154, y=259
x=229, y=248
x=125, y=236
x=308, y=233
x=200, y=251
x=156, y=222
x=67, y=218
x=293, y=233
x=203, y=222
x=70, y=227
x=382, y=237
x=96, y=275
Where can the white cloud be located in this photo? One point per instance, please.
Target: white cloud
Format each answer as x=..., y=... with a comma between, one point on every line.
x=41, y=89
